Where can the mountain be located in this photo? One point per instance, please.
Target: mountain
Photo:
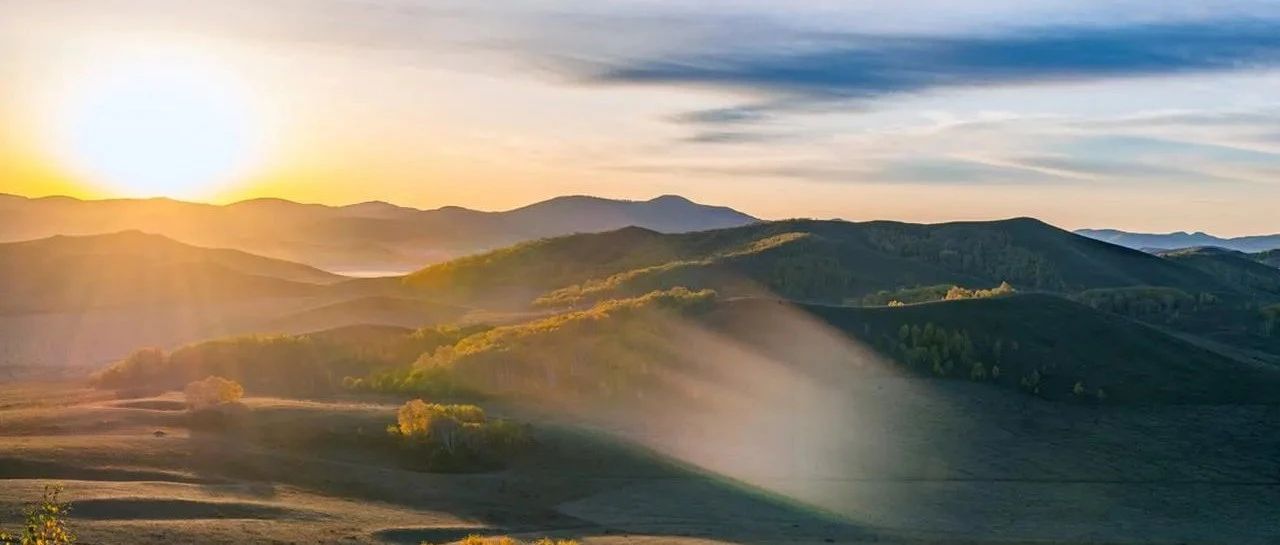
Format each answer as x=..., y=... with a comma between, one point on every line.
x=366, y=238
x=805, y=260
x=1173, y=241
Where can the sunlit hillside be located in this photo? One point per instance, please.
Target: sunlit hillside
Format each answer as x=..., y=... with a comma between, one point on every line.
x=446, y=272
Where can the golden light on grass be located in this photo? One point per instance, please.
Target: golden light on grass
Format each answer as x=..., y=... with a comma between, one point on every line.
x=170, y=125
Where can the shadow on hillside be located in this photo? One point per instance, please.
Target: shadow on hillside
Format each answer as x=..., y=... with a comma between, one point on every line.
x=573, y=484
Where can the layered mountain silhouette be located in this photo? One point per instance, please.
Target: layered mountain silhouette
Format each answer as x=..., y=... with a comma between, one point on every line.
x=1173, y=241
x=372, y=237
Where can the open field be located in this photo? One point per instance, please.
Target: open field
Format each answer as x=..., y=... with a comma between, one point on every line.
x=922, y=461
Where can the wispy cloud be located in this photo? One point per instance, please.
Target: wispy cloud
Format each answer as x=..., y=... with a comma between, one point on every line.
x=798, y=69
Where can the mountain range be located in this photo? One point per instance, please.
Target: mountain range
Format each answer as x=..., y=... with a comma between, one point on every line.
x=84, y=299
x=1174, y=241
x=365, y=238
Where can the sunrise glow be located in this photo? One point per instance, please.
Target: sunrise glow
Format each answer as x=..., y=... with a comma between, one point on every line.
x=158, y=127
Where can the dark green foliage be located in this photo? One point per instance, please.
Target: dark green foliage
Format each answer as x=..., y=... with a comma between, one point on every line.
x=1232, y=268
x=1045, y=345
x=1270, y=321
x=1148, y=303
x=298, y=365
x=1269, y=257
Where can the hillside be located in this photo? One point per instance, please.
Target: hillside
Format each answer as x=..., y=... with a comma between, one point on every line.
x=820, y=261
x=129, y=268
x=1047, y=345
x=675, y=344
x=366, y=238
x=1230, y=267
x=1173, y=241
x=80, y=301
x=366, y=310
x=1270, y=257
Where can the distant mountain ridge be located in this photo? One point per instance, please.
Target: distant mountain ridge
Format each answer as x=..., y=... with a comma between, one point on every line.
x=1181, y=239
x=806, y=260
x=372, y=236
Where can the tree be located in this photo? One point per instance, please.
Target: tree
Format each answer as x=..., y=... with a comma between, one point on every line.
x=45, y=522
x=211, y=392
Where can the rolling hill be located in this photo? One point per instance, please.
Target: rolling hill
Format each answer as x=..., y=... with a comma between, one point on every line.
x=129, y=268
x=677, y=344
x=70, y=301
x=1231, y=267
x=1173, y=241
x=365, y=238
x=1270, y=257
x=382, y=310
x=805, y=260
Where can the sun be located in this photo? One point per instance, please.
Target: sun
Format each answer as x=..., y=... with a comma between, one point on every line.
x=159, y=128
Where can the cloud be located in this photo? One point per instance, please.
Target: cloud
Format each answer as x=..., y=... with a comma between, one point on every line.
x=904, y=171
x=733, y=137
x=799, y=67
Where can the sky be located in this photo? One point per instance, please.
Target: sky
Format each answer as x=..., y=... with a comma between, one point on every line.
x=1149, y=115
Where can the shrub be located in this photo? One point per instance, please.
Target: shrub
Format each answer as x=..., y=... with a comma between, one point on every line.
x=505, y=540
x=456, y=437
x=212, y=392
x=45, y=522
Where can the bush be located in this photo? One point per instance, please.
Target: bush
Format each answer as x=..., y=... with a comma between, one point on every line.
x=456, y=437
x=504, y=540
x=45, y=522
x=212, y=392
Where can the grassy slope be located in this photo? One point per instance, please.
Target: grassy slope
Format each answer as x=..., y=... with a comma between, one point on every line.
x=75, y=273
x=1270, y=257
x=1231, y=267
x=1046, y=346
x=369, y=310
x=1067, y=342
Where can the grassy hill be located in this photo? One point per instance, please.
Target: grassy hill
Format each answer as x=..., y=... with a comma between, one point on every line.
x=1270, y=257
x=665, y=344
x=382, y=310
x=80, y=301
x=1047, y=345
x=128, y=268
x=1231, y=267
x=818, y=261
